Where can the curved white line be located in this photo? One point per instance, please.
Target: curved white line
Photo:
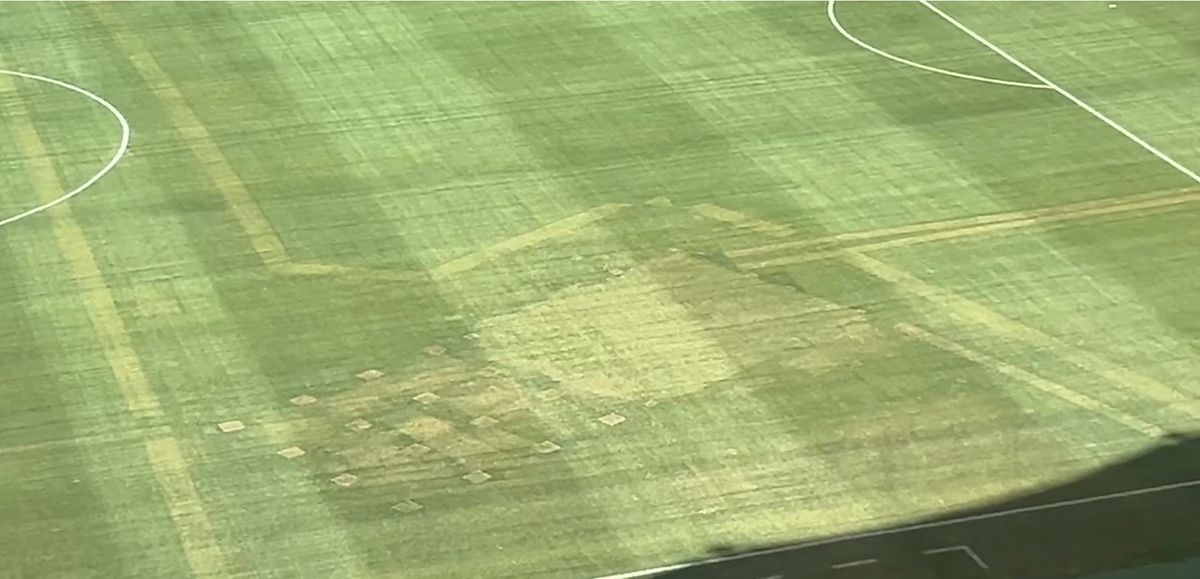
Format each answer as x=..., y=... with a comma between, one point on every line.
x=120, y=152
x=838, y=25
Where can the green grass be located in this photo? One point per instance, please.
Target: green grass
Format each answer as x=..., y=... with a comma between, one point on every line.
x=390, y=140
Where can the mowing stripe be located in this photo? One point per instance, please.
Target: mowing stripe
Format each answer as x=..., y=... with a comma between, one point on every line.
x=978, y=225
x=1052, y=388
x=831, y=12
x=1060, y=90
x=245, y=209
x=971, y=313
x=912, y=528
x=195, y=532
x=560, y=228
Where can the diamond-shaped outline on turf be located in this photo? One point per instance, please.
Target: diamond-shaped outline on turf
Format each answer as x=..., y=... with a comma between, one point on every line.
x=304, y=400
x=408, y=506
x=546, y=447
x=612, y=419
x=344, y=480
x=485, y=421
x=416, y=449
x=477, y=477
x=369, y=374
x=292, y=452
x=231, y=426
x=427, y=398
x=359, y=425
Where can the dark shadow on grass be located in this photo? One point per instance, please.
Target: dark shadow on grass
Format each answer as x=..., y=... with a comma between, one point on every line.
x=1141, y=511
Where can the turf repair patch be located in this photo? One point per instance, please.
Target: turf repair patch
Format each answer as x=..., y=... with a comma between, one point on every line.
x=612, y=419
x=485, y=421
x=369, y=375
x=415, y=450
x=427, y=398
x=358, y=425
x=477, y=477
x=344, y=480
x=291, y=452
x=405, y=507
x=672, y=326
x=304, y=400
x=231, y=426
x=547, y=447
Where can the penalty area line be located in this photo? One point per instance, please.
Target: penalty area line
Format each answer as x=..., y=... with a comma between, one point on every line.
x=1060, y=90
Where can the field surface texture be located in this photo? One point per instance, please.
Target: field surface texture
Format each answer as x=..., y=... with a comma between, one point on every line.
x=600, y=290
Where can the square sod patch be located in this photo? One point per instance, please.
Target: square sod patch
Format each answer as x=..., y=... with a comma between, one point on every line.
x=359, y=425
x=369, y=375
x=231, y=426
x=612, y=419
x=291, y=452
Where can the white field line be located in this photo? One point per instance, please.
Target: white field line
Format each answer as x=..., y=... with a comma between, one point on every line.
x=965, y=549
x=911, y=528
x=1060, y=90
x=858, y=563
x=985, y=516
x=841, y=30
x=120, y=152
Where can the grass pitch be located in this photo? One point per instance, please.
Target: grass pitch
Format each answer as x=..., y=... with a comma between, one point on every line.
x=572, y=290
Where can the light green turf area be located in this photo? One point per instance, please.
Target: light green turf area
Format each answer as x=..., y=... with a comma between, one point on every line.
x=544, y=214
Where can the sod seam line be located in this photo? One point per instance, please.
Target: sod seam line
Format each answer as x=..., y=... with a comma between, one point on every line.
x=832, y=13
x=1067, y=95
x=912, y=528
x=122, y=147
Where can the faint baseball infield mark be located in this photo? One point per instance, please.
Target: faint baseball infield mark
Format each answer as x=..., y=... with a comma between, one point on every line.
x=825, y=247
x=965, y=312
x=1035, y=381
x=164, y=454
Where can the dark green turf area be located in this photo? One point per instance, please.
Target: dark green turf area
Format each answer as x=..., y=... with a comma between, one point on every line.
x=640, y=283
